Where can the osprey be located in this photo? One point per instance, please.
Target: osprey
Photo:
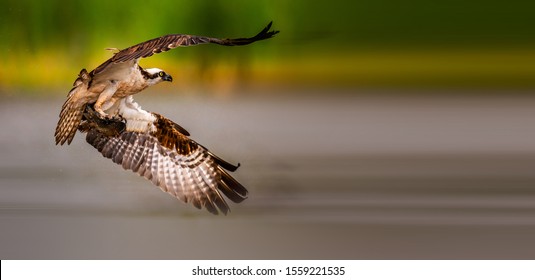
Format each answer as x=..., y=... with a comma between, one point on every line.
x=121, y=76
x=160, y=150
x=101, y=105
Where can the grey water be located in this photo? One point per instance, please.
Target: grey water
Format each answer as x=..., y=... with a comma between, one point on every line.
x=331, y=176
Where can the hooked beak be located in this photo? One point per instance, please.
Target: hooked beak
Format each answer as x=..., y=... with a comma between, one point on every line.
x=167, y=78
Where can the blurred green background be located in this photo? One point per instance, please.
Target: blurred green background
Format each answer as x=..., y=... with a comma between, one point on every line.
x=333, y=44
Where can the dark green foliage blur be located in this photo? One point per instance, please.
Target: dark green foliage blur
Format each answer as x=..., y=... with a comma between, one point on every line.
x=52, y=22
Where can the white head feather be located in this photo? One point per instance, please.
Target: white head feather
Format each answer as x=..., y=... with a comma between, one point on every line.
x=153, y=71
x=158, y=78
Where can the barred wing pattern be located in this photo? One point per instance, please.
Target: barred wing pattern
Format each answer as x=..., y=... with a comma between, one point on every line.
x=71, y=112
x=196, y=177
x=167, y=42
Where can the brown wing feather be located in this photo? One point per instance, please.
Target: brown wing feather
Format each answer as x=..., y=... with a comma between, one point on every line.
x=175, y=163
x=171, y=41
x=172, y=136
x=71, y=111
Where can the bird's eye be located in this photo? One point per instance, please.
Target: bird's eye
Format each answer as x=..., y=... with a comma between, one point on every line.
x=160, y=74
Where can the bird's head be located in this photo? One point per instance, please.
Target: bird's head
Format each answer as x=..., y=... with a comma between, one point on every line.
x=155, y=75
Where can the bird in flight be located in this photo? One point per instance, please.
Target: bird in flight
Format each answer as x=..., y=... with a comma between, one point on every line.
x=101, y=104
x=121, y=76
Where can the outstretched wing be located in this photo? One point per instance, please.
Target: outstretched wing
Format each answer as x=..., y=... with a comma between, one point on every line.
x=175, y=163
x=165, y=43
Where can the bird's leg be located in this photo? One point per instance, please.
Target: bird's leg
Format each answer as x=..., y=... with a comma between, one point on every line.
x=103, y=102
x=110, y=107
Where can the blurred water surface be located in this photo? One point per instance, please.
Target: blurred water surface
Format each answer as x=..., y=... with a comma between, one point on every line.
x=330, y=176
